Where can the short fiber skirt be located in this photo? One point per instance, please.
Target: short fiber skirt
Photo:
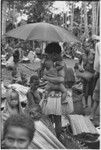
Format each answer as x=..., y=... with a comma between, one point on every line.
x=51, y=106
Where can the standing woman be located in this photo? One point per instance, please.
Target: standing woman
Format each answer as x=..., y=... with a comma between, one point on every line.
x=88, y=63
x=53, y=106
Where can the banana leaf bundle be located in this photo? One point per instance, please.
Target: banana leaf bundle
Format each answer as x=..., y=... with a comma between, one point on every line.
x=83, y=129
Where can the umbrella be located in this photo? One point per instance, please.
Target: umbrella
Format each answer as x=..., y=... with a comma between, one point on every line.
x=42, y=31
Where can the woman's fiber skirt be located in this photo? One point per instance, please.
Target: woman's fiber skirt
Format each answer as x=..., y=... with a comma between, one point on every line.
x=52, y=106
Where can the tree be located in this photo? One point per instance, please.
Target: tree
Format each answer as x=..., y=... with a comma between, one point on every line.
x=4, y=7
x=85, y=19
x=39, y=11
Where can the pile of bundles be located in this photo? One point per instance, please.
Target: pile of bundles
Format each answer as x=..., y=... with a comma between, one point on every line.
x=83, y=129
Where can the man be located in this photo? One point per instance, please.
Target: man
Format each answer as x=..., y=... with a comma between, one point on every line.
x=96, y=94
x=18, y=132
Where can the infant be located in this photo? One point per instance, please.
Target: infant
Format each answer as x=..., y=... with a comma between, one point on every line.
x=55, y=70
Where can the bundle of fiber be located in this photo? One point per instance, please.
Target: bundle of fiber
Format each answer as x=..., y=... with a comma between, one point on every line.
x=44, y=138
x=81, y=124
x=22, y=91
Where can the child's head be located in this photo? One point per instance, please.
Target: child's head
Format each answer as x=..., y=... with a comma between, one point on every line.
x=13, y=98
x=34, y=81
x=49, y=64
x=18, y=132
x=36, y=112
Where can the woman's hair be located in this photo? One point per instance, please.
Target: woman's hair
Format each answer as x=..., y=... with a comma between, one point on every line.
x=53, y=47
x=22, y=121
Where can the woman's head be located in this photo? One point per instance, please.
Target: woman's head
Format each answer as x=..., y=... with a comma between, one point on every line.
x=53, y=48
x=13, y=98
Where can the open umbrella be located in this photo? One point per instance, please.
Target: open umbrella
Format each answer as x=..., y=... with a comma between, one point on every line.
x=42, y=31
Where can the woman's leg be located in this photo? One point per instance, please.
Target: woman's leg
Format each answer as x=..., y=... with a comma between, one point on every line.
x=96, y=97
x=62, y=88
x=94, y=84
x=51, y=118
x=85, y=90
x=57, y=120
x=93, y=111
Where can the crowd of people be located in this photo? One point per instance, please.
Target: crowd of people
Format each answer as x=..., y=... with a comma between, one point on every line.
x=33, y=125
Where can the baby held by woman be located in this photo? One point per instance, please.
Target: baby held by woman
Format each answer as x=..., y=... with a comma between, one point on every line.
x=54, y=70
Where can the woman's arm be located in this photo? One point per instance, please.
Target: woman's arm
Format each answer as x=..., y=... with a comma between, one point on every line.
x=55, y=79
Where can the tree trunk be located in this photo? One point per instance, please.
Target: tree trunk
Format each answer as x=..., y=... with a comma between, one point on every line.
x=97, y=17
x=4, y=17
x=81, y=20
x=14, y=13
x=93, y=17
x=72, y=16
x=85, y=19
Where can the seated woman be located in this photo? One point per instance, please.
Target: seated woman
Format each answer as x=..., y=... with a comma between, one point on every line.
x=44, y=136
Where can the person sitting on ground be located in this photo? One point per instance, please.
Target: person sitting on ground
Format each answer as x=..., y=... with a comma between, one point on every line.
x=33, y=95
x=12, y=106
x=54, y=72
x=16, y=56
x=18, y=132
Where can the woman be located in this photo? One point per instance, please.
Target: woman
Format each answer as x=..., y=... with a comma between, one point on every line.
x=53, y=106
x=88, y=85
x=44, y=137
x=96, y=94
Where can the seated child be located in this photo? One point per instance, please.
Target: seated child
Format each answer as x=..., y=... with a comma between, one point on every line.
x=33, y=95
x=52, y=71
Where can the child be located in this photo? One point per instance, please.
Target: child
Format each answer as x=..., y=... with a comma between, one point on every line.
x=18, y=132
x=54, y=72
x=33, y=94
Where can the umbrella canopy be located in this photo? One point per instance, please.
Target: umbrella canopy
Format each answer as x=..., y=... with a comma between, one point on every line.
x=42, y=31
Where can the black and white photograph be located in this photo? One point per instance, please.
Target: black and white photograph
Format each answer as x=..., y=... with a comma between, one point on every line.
x=41, y=109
